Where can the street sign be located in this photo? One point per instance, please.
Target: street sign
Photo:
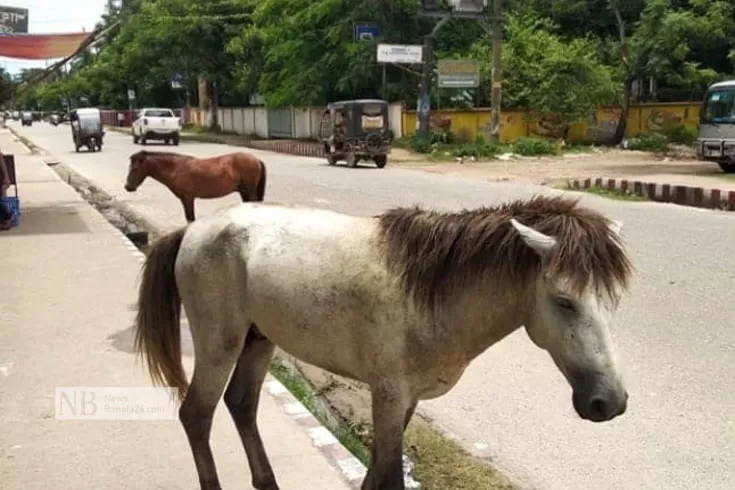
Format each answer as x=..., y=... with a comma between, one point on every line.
x=400, y=53
x=474, y=6
x=131, y=94
x=13, y=20
x=366, y=31
x=458, y=73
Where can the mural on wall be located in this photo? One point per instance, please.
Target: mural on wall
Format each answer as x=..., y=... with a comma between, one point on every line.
x=602, y=124
x=549, y=126
x=660, y=119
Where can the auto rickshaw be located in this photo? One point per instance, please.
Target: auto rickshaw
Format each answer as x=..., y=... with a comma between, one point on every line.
x=86, y=128
x=354, y=130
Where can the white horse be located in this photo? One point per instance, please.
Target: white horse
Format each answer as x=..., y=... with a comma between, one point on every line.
x=403, y=302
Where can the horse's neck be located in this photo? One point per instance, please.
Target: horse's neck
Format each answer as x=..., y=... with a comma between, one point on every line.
x=483, y=315
x=161, y=169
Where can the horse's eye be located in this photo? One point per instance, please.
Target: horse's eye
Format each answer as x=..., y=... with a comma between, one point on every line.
x=565, y=304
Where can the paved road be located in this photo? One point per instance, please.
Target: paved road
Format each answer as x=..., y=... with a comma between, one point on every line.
x=675, y=330
x=65, y=321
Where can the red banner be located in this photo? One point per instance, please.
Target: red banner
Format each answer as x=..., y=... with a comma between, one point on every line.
x=41, y=46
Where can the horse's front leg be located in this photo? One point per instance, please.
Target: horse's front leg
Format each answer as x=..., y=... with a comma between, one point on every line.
x=392, y=409
x=188, y=203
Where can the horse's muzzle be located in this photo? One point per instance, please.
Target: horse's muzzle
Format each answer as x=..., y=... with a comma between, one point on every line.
x=130, y=188
x=597, y=398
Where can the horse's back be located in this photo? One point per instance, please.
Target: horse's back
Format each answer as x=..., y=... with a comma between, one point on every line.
x=251, y=227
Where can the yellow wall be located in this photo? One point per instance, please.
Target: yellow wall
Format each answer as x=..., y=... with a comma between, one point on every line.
x=642, y=118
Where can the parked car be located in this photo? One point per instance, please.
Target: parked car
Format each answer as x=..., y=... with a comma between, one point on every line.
x=156, y=124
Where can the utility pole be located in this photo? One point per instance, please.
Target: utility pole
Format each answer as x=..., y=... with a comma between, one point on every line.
x=469, y=10
x=497, y=71
x=424, y=105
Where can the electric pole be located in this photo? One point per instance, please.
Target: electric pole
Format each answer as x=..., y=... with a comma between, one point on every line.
x=497, y=71
x=469, y=10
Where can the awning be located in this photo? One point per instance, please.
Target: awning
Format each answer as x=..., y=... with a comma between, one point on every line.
x=43, y=46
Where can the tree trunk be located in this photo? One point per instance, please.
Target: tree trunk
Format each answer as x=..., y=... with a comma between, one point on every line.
x=213, y=104
x=619, y=134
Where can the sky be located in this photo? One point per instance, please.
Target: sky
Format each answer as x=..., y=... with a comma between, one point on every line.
x=54, y=17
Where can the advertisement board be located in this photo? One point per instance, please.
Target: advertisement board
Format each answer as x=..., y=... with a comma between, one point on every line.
x=13, y=20
x=458, y=73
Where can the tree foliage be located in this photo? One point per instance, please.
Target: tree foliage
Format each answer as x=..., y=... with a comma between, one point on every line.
x=559, y=56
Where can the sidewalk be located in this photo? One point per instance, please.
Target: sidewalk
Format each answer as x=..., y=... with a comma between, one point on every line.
x=69, y=280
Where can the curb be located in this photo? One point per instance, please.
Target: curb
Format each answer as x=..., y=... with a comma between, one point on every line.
x=349, y=466
x=699, y=197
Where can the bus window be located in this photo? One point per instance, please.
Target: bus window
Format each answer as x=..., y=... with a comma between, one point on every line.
x=719, y=106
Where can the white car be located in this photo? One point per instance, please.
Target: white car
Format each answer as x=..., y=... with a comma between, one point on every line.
x=156, y=124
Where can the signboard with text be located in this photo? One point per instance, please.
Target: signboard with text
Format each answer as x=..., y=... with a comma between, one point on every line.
x=458, y=73
x=13, y=20
x=400, y=53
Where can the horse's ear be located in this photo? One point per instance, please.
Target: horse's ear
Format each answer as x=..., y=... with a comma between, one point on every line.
x=616, y=226
x=540, y=243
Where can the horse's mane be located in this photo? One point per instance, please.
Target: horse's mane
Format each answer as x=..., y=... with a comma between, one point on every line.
x=433, y=253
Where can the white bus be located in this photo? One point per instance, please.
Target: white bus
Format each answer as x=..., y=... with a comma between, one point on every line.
x=716, y=138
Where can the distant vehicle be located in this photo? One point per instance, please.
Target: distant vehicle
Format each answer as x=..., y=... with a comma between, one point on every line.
x=354, y=130
x=26, y=119
x=716, y=138
x=156, y=124
x=86, y=128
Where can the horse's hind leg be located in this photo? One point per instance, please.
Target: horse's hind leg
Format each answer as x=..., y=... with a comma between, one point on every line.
x=213, y=361
x=242, y=397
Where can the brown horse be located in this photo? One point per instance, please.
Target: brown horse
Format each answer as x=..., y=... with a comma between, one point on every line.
x=190, y=177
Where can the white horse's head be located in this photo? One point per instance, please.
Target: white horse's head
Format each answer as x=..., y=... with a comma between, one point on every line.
x=571, y=320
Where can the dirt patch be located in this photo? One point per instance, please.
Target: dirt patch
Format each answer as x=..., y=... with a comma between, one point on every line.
x=556, y=170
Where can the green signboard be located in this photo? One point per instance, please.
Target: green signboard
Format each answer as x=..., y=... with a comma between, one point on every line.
x=459, y=73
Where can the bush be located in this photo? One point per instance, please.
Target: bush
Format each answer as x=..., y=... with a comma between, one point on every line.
x=535, y=146
x=443, y=137
x=653, y=142
x=479, y=149
x=681, y=135
x=421, y=146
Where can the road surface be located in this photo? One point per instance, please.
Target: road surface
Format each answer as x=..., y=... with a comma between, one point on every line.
x=65, y=321
x=674, y=330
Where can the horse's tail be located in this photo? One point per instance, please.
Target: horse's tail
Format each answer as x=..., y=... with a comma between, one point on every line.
x=261, y=183
x=157, y=335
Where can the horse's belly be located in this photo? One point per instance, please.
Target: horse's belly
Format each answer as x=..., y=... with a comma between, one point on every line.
x=326, y=323
x=315, y=339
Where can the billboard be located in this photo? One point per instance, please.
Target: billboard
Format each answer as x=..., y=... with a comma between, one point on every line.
x=13, y=20
x=42, y=46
